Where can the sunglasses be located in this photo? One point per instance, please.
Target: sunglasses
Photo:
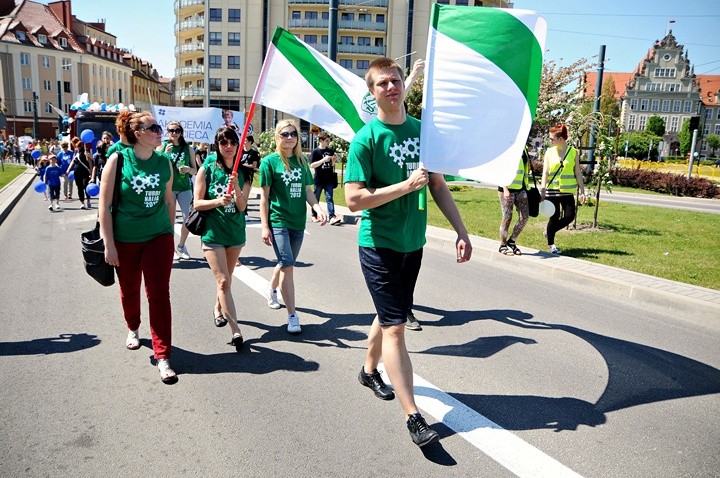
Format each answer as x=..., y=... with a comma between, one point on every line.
x=225, y=142
x=288, y=134
x=174, y=130
x=155, y=128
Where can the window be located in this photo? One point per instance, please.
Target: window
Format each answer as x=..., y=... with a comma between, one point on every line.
x=364, y=41
x=233, y=84
x=100, y=72
x=380, y=18
x=652, y=86
x=66, y=86
x=26, y=84
x=666, y=106
x=234, y=15
x=326, y=15
x=113, y=75
x=215, y=61
x=687, y=107
x=461, y=2
x=633, y=104
x=295, y=15
x=641, y=123
x=631, y=122
x=324, y=39
x=346, y=40
x=215, y=38
x=364, y=17
x=94, y=70
x=46, y=62
x=708, y=113
x=654, y=105
x=42, y=38
x=672, y=87
x=234, y=39
x=717, y=129
x=346, y=64
x=379, y=41
x=347, y=16
x=47, y=85
x=66, y=64
x=311, y=15
x=20, y=35
x=363, y=64
x=665, y=72
x=27, y=106
x=233, y=62
x=215, y=84
x=216, y=14
x=310, y=39
x=677, y=106
x=63, y=42
x=718, y=113
x=643, y=105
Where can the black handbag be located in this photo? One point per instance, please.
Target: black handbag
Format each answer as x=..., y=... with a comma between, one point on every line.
x=196, y=221
x=93, y=246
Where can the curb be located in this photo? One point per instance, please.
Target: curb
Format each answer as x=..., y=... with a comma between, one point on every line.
x=13, y=191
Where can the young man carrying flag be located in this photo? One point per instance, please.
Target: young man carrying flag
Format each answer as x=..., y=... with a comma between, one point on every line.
x=383, y=180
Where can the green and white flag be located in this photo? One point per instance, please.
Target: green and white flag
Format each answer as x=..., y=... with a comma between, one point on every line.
x=481, y=90
x=300, y=81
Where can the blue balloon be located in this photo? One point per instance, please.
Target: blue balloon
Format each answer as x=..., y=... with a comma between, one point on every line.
x=73, y=107
x=92, y=189
x=103, y=107
x=71, y=175
x=36, y=153
x=87, y=136
x=40, y=187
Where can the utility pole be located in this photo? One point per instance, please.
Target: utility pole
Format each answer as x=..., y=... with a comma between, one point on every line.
x=333, y=30
x=60, y=107
x=36, y=123
x=692, y=152
x=596, y=107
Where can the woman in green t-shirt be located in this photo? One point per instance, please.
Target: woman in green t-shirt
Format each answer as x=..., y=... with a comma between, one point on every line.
x=287, y=184
x=139, y=239
x=182, y=160
x=224, y=235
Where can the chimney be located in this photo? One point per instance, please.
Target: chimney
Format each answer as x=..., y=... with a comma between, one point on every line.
x=63, y=10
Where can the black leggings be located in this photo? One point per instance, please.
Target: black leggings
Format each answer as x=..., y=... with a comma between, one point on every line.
x=82, y=183
x=564, y=214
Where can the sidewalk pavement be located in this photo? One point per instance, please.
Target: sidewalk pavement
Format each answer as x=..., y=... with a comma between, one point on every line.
x=644, y=290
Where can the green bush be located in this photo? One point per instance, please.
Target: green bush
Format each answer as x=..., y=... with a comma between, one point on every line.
x=669, y=183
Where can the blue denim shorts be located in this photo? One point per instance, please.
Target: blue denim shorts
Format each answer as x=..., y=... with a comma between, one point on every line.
x=286, y=243
x=391, y=276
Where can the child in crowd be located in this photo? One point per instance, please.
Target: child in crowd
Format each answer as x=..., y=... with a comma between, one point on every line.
x=52, y=180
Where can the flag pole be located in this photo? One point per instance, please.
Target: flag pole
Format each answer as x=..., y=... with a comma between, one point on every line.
x=238, y=156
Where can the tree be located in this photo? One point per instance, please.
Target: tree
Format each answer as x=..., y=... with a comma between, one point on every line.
x=266, y=142
x=655, y=125
x=713, y=141
x=608, y=104
x=640, y=143
x=413, y=99
x=685, y=137
x=559, y=94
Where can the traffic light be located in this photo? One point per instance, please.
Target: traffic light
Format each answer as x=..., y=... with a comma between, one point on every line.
x=694, y=123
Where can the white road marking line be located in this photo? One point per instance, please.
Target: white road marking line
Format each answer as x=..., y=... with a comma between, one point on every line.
x=507, y=449
x=510, y=451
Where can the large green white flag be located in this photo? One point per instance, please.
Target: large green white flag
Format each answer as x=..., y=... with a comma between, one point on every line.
x=298, y=80
x=481, y=90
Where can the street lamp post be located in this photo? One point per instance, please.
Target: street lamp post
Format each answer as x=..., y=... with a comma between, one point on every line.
x=333, y=30
x=36, y=122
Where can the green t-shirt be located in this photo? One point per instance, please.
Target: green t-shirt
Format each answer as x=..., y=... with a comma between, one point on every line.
x=380, y=155
x=287, y=190
x=179, y=156
x=225, y=225
x=142, y=214
x=115, y=147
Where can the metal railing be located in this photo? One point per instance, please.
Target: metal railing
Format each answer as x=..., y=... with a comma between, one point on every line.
x=342, y=24
x=189, y=47
x=705, y=171
x=189, y=93
x=343, y=3
x=190, y=70
x=190, y=24
x=188, y=3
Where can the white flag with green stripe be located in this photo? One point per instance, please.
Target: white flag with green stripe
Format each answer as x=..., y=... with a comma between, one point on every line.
x=481, y=90
x=298, y=80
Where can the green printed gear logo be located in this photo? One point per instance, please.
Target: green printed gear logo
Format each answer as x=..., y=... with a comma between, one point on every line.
x=369, y=105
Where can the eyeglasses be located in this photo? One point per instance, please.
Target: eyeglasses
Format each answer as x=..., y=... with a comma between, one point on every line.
x=155, y=128
x=289, y=134
x=225, y=142
x=174, y=130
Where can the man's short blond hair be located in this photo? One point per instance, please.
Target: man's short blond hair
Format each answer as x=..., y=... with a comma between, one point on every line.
x=381, y=64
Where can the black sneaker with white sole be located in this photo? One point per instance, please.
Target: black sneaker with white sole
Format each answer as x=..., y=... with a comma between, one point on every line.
x=420, y=431
x=412, y=323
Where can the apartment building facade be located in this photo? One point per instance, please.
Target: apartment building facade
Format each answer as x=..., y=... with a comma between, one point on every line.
x=49, y=57
x=221, y=44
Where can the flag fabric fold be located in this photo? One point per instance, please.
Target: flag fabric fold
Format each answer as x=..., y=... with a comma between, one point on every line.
x=300, y=81
x=481, y=90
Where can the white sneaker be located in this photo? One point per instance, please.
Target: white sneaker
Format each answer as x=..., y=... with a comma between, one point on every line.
x=272, y=301
x=294, y=324
x=554, y=249
x=182, y=252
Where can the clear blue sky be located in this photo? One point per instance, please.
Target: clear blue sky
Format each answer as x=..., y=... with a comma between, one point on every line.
x=576, y=29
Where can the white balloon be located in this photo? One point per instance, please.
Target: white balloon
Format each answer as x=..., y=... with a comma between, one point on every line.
x=547, y=208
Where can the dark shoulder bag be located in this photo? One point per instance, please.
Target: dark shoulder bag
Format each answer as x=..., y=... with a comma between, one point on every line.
x=196, y=221
x=93, y=246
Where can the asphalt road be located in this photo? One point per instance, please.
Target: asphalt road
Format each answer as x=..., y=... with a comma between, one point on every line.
x=520, y=377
